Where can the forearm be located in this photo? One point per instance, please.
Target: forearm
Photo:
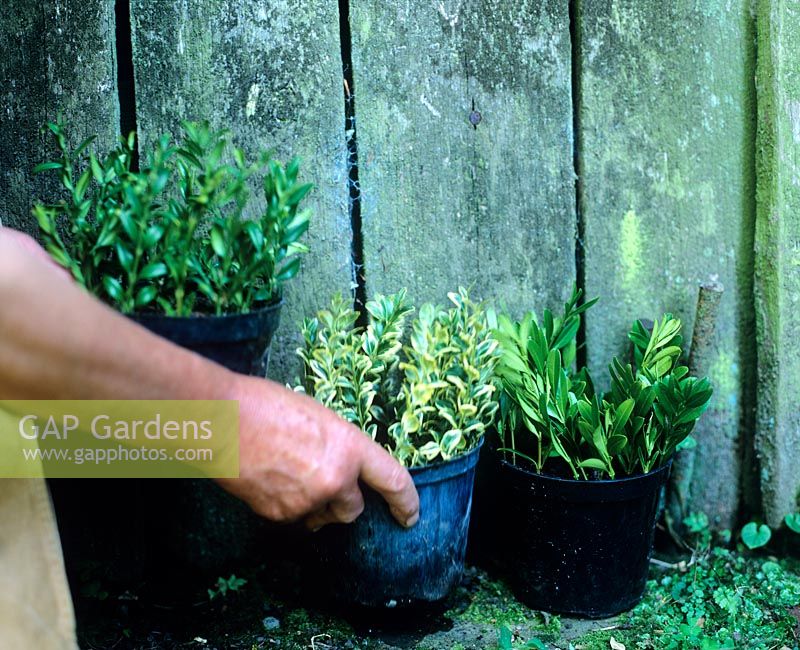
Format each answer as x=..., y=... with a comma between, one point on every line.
x=57, y=342
x=297, y=457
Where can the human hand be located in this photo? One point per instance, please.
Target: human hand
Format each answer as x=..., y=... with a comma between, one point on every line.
x=30, y=246
x=299, y=460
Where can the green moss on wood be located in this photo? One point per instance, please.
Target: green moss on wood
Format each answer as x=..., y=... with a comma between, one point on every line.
x=665, y=158
x=58, y=57
x=777, y=269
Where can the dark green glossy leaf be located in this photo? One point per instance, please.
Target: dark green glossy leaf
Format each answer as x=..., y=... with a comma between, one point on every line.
x=289, y=270
x=59, y=255
x=47, y=166
x=83, y=145
x=153, y=270
x=113, y=287
x=218, y=241
x=255, y=234
x=83, y=183
x=145, y=296
x=128, y=224
x=124, y=256
x=152, y=236
x=45, y=219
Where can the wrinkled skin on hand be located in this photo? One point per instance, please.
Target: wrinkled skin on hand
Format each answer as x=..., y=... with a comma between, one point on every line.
x=300, y=460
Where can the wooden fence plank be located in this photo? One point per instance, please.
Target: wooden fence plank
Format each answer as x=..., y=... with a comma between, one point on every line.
x=666, y=114
x=446, y=203
x=271, y=72
x=778, y=257
x=57, y=58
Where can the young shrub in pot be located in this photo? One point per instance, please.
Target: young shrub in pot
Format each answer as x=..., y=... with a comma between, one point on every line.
x=428, y=401
x=581, y=472
x=176, y=245
x=195, y=246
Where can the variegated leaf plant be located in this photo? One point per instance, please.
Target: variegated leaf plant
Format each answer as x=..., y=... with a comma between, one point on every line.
x=426, y=397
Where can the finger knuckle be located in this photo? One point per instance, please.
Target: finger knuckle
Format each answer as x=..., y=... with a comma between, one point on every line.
x=277, y=512
x=353, y=513
x=350, y=514
x=266, y=510
x=398, y=480
x=330, y=484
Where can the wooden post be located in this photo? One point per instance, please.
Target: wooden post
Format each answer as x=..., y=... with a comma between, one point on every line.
x=270, y=72
x=57, y=58
x=703, y=348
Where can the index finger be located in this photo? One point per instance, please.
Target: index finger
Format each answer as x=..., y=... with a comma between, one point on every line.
x=392, y=481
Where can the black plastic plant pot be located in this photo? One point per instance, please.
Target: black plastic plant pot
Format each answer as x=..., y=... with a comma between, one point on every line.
x=240, y=342
x=205, y=529
x=195, y=523
x=578, y=547
x=376, y=563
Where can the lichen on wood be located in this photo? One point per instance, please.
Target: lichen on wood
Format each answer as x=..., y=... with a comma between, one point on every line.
x=58, y=59
x=465, y=148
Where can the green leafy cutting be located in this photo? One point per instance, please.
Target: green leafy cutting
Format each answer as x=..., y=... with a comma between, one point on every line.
x=547, y=411
x=180, y=235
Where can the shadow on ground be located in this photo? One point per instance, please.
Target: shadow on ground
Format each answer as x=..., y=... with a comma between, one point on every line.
x=270, y=611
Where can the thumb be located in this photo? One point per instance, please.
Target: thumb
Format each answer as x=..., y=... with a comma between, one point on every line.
x=392, y=481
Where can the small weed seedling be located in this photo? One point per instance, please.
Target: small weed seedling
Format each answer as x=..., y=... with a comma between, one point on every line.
x=223, y=586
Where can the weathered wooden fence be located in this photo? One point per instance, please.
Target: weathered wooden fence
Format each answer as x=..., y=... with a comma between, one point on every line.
x=517, y=146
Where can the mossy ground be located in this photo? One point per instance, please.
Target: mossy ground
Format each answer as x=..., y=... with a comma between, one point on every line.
x=718, y=599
